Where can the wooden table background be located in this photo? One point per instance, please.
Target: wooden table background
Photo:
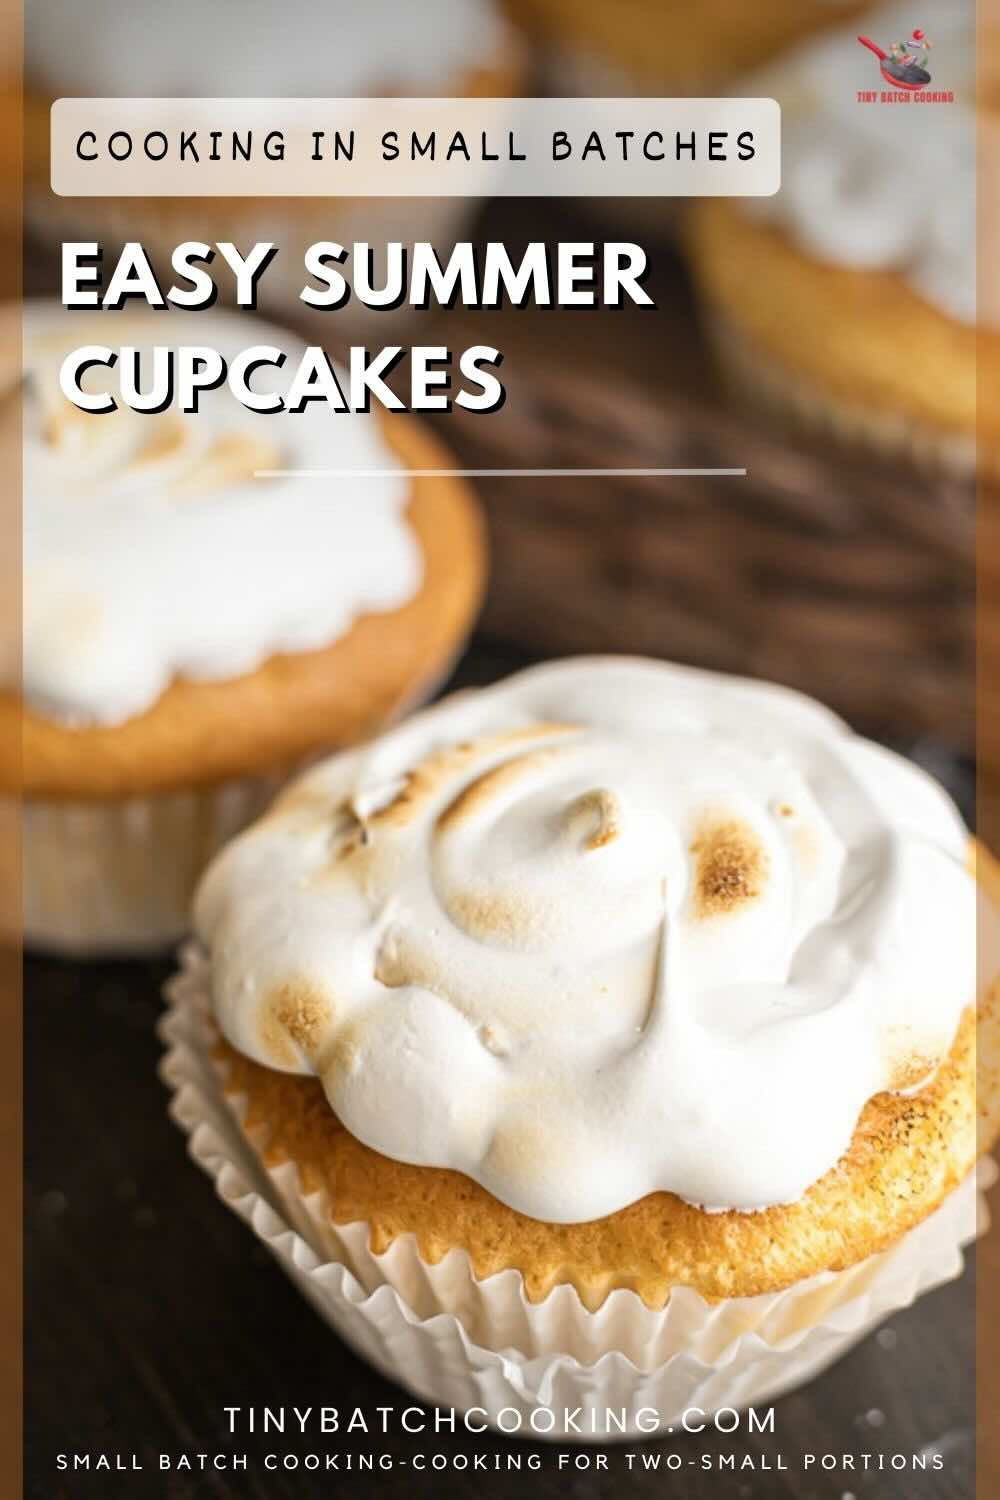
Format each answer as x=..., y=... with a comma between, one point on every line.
x=150, y=1307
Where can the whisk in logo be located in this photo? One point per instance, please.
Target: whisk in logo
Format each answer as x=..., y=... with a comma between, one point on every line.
x=904, y=69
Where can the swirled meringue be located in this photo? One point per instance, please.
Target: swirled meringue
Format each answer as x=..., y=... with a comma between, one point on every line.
x=880, y=186
x=151, y=551
x=609, y=927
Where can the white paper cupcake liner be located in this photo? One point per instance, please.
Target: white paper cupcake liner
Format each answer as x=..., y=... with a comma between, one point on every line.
x=762, y=382
x=118, y=876
x=457, y=1341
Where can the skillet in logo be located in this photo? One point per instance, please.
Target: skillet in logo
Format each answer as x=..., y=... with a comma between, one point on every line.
x=904, y=66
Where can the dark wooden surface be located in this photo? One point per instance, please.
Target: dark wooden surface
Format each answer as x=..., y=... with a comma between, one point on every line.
x=151, y=1308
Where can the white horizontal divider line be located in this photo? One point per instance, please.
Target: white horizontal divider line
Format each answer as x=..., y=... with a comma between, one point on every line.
x=495, y=473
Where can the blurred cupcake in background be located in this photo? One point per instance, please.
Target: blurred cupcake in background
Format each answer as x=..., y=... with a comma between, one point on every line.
x=665, y=46
x=848, y=300
x=254, y=49
x=193, y=630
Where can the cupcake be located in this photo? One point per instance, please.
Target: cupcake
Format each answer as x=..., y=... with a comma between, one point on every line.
x=673, y=48
x=194, y=630
x=623, y=1013
x=848, y=300
x=251, y=49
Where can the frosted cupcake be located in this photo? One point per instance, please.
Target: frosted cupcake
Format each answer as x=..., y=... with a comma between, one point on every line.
x=619, y=1010
x=193, y=631
x=251, y=49
x=848, y=300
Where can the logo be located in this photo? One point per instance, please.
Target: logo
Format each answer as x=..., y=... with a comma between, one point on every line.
x=904, y=66
x=904, y=69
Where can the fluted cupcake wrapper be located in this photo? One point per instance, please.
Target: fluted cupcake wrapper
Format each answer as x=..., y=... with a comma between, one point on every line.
x=458, y=1341
x=761, y=381
x=117, y=876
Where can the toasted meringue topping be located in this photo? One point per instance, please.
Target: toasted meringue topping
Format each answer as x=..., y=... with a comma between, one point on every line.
x=730, y=867
x=152, y=550
x=609, y=927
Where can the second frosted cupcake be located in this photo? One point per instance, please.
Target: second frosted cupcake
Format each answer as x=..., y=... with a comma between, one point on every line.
x=193, y=629
x=834, y=299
